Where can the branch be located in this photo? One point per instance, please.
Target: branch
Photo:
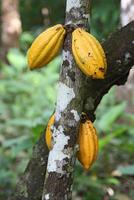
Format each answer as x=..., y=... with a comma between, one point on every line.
x=119, y=48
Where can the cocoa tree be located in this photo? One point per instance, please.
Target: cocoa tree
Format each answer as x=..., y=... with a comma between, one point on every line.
x=51, y=177
x=10, y=26
x=126, y=91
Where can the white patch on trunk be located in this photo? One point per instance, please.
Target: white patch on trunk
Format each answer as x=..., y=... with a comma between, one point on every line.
x=56, y=155
x=86, y=16
x=72, y=4
x=76, y=116
x=127, y=56
x=47, y=197
x=64, y=97
x=67, y=56
x=69, y=22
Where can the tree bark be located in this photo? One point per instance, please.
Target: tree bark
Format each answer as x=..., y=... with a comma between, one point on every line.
x=61, y=160
x=117, y=47
x=30, y=185
x=126, y=92
x=10, y=26
x=127, y=11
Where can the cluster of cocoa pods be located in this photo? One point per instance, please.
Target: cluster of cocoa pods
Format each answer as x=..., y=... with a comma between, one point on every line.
x=87, y=51
x=91, y=60
x=87, y=141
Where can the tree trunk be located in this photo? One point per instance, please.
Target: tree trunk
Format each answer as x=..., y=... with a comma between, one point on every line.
x=126, y=92
x=127, y=11
x=10, y=26
x=30, y=186
x=69, y=107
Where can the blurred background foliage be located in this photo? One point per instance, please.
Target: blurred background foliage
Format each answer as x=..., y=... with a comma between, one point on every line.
x=27, y=99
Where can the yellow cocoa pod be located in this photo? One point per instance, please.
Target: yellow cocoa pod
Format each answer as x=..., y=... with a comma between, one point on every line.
x=46, y=46
x=88, y=144
x=48, y=135
x=88, y=54
x=87, y=140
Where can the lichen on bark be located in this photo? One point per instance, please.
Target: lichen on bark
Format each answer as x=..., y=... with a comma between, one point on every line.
x=91, y=92
x=62, y=157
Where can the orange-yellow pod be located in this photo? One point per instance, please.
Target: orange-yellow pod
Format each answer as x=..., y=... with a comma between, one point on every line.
x=88, y=144
x=46, y=46
x=87, y=140
x=48, y=135
x=88, y=54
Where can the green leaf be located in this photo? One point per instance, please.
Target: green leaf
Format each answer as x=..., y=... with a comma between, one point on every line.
x=21, y=122
x=7, y=176
x=106, y=140
x=16, y=59
x=26, y=37
x=110, y=116
x=14, y=141
x=113, y=181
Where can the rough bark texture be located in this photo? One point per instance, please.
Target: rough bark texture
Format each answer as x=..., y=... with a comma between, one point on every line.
x=126, y=91
x=30, y=185
x=117, y=47
x=59, y=179
x=10, y=26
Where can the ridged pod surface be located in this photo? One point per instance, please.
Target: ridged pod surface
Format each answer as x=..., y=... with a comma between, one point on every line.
x=48, y=135
x=88, y=54
x=46, y=46
x=87, y=140
x=88, y=144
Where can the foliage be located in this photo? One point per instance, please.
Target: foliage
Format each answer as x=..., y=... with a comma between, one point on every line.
x=27, y=100
x=24, y=95
x=104, y=17
x=115, y=161
x=22, y=120
x=37, y=13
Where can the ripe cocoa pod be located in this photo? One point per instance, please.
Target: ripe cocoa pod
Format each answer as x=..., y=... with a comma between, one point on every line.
x=88, y=54
x=87, y=140
x=46, y=46
x=48, y=135
x=88, y=144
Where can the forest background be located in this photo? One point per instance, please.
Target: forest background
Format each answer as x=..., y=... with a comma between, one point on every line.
x=27, y=100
